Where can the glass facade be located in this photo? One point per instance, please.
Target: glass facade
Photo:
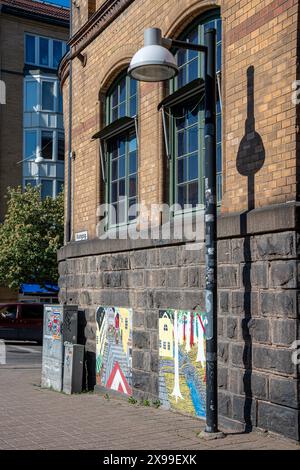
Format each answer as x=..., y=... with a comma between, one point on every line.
x=43, y=51
x=43, y=119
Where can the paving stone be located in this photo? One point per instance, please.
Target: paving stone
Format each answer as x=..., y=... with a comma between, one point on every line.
x=50, y=420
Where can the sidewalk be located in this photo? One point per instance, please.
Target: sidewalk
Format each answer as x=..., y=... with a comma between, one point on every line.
x=33, y=418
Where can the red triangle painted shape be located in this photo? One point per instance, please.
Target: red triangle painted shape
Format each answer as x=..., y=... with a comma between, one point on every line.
x=122, y=385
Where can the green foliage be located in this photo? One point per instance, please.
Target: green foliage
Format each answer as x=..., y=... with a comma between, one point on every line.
x=145, y=402
x=132, y=400
x=156, y=403
x=30, y=236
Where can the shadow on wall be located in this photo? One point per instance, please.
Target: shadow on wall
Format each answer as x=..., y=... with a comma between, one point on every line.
x=250, y=159
x=298, y=113
x=89, y=367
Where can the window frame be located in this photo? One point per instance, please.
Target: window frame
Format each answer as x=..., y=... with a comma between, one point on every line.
x=121, y=127
x=39, y=80
x=37, y=62
x=210, y=15
x=108, y=187
x=109, y=97
x=52, y=181
x=37, y=143
x=39, y=130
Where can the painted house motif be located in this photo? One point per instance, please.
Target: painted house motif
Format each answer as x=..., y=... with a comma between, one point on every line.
x=114, y=348
x=182, y=380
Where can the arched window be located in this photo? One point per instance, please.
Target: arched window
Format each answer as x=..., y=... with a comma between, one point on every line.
x=120, y=142
x=187, y=119
x=121, y=99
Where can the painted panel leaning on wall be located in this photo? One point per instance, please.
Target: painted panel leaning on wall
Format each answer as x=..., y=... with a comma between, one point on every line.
x=114, y=348
x=182, y=380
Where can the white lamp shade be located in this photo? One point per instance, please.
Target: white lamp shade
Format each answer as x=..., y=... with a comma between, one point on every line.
x=153, y=63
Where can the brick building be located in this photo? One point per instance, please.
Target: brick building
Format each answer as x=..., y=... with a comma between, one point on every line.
x=33, y=38
x=258, y=191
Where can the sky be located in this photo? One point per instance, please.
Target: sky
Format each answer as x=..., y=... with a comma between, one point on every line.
x=64, y=3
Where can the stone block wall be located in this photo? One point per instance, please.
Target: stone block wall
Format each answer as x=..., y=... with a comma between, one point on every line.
x=258, y=314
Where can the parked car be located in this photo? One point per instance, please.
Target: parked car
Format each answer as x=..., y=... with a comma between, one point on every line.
x=21, y=321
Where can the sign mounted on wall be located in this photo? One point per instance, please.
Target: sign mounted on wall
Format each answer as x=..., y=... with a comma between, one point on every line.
x=81, y=236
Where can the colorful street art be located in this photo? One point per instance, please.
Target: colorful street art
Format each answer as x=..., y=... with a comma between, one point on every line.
x=182, y=380
x=114, y=348
x=54, y=325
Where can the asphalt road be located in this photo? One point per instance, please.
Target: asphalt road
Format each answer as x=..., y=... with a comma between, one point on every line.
x=21, y=355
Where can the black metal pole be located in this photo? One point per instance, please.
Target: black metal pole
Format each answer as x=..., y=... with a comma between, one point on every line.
x=211, y=234
x=68, y=229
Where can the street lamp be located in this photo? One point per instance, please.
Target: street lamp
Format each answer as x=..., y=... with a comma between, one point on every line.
x=152, y=63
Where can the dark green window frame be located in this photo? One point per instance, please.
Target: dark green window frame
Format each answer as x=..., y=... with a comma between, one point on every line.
x=122, y=177
x=121, y=99
x=191, y=68
x=119, y=150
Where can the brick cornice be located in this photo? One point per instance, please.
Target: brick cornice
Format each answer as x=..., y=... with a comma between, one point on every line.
x=274, y=218
x=106, y=14
x=96, y=24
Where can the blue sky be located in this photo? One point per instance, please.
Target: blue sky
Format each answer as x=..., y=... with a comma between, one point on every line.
x=64, y=3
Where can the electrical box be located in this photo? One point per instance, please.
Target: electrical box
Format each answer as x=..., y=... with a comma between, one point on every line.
x=74, y=325
x=52, y=363
x=73, y=368
x=70, y=324
x=53, y=345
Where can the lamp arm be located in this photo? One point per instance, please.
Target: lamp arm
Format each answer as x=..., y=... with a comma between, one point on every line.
x=168, y=43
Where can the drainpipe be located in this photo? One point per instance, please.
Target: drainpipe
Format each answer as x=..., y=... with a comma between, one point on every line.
x=70, y=157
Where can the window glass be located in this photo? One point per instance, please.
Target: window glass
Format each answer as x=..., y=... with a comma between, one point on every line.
x=60, y=101
x=31, y=98
x=47, y=145
x=59, y=186
x=37, y=51
x=46, y=188
x=122, y=99
x=188, y=121
x=8, y=312
x=30, y=145
x=57, y=53
x=48, y=96
x=44, y=51
x=29, y=49
x=61, y=146
x=122, y=188
x=30, y=182
x=32, y=311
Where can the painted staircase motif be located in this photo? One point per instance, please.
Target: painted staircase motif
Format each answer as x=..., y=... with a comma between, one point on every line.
x=114, y=353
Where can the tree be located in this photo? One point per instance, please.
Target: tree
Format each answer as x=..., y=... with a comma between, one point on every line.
x=30, y=236
x=176, y=390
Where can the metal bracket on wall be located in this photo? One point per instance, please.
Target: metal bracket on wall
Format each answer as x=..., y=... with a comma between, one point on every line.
x=136, y=130
x=165, y=132
x=219, y=82
x=103, y=166
x=82, y=58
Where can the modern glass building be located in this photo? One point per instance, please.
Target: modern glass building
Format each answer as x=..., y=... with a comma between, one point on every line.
x=43, y=147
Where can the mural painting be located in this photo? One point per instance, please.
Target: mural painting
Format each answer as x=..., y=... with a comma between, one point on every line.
x=114, y=348
x=182, y=380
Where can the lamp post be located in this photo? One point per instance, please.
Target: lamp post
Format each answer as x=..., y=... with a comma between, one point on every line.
x=152, y=63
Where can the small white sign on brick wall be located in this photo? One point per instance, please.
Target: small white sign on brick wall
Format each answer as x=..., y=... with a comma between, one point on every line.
x=81, y=236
